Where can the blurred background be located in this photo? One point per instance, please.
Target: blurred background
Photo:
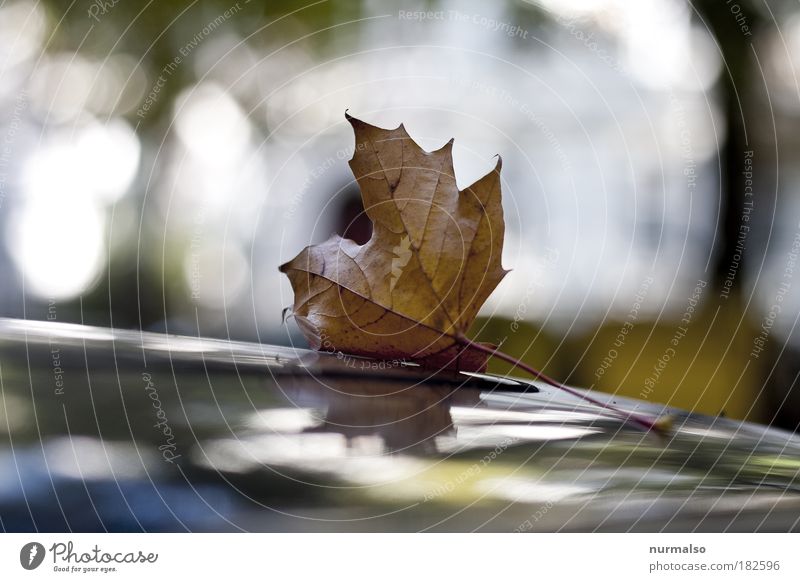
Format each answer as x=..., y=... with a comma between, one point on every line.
x=159, y=161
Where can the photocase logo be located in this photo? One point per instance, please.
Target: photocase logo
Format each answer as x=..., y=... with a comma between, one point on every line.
x=402, y=254
x=31, y=555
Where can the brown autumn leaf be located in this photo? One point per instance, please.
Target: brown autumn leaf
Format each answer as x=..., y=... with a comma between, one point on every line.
x=434, y=257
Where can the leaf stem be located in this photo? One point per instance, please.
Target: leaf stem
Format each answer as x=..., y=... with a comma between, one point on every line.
x=643, y=421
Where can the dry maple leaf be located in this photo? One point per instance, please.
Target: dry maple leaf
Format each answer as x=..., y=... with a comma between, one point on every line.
x=415, y=287
x=413, y=290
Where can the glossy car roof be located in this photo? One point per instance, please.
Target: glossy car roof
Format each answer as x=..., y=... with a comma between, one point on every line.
x=168, y=433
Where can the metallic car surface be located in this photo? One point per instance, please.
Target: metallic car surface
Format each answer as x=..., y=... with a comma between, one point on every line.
x=112, y=430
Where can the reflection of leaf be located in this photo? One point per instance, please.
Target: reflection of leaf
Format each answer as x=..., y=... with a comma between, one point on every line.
x=434, y=257
x=362, y=404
